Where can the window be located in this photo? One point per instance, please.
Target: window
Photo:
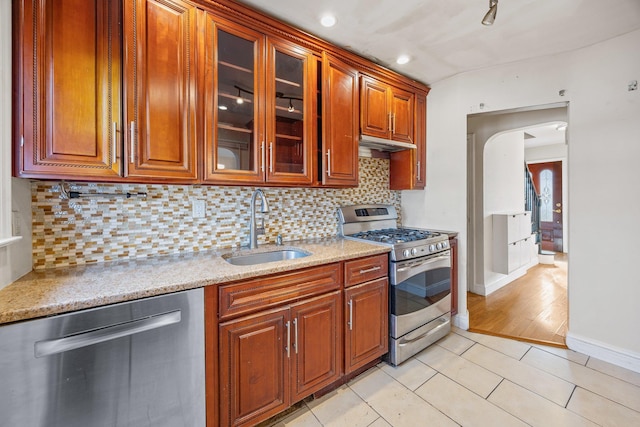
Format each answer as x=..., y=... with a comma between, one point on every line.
x=546, y=195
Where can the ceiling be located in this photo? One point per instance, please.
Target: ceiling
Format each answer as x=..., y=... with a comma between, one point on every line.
x=445, y=37
x=549, y=134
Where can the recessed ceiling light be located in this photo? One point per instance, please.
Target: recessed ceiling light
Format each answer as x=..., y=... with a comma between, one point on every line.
x=328, y=20
x=403, y=59
x=222, y=107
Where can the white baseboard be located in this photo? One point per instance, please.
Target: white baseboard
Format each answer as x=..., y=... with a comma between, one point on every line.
x=501, y=282
x=608, y=353
x=461, y=320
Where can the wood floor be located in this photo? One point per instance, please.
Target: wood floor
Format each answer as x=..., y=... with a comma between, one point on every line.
x=532, y=308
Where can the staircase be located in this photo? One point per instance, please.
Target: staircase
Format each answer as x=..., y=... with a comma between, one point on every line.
x=532, y=203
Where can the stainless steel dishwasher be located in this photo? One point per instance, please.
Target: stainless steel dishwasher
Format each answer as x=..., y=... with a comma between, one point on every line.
x=137, y=363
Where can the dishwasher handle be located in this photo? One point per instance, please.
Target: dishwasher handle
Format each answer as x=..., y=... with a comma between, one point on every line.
x=96, y=336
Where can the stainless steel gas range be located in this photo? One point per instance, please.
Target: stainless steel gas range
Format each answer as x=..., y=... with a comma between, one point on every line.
x=420, y=276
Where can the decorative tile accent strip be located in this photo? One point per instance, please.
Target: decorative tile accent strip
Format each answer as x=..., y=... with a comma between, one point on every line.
x=90, y=230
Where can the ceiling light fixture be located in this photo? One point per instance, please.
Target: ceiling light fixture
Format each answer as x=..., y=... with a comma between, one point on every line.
x=403, y=59
x=328, y=20
x=490, y=17
x=291, y=109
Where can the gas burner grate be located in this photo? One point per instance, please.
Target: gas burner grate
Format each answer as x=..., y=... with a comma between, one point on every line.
x=395, y=235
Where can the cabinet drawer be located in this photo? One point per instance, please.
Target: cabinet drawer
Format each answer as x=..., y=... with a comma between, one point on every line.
x=365, y=269
x=265, y=292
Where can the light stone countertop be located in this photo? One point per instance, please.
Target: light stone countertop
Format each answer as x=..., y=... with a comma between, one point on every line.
x=48, y=292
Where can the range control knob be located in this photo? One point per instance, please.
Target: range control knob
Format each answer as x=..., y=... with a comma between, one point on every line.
x=432, y=248
x=405, y=253
x=439, y=246
x=414, y=251
x=445, y=244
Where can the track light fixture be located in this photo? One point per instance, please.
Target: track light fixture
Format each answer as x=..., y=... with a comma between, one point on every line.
x=239, y=99
x=291, y=109
x=490, y=17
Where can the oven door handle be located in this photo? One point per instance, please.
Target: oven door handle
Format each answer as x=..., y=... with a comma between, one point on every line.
x=444, y=323
x=406, y=269
x=427, y=264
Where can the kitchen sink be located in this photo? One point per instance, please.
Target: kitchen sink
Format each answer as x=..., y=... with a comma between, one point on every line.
x=264, y=257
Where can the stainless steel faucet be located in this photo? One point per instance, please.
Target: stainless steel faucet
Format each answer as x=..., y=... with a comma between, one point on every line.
x=264, y=208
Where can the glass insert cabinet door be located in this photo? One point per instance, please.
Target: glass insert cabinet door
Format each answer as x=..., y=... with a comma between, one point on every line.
x=289, y=113
x=233, y=99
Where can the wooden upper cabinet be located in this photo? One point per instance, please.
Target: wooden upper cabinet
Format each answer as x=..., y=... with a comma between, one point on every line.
x=67, y=82
x=339, y=123
x=402, y=115
x=408, y=168
x=386, y=111
x=233, y=102
x=290, y=113
x=160, y=86
x=375, y=113
x=259, y=107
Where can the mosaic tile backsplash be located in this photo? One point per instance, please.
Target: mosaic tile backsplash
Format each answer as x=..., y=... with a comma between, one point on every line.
x=69, y=232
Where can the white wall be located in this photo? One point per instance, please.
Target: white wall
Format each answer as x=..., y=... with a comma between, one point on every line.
x=15, y=195
x=604, y=286
x=503, y=188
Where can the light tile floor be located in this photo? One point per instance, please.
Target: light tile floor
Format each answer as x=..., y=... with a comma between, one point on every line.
x=471, y=379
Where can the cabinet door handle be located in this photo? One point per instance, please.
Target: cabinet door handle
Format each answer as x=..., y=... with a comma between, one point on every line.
x=132, y=141
x=328, y=162
x=295, y=335
x=114, y=140
x=350, y=304
x=271, y=157
x=390, y=125
x=262, y=158
x=393, y=121
x=419, y=170
x=288, y=326
x=370, y=270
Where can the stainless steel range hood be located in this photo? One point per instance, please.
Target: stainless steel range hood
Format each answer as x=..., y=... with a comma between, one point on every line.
x=384, y=144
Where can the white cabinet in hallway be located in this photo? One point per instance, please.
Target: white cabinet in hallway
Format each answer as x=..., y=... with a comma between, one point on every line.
x=512, y=241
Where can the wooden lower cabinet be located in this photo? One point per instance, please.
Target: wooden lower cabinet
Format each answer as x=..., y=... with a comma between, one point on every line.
x=275, y=358
x=366, y=317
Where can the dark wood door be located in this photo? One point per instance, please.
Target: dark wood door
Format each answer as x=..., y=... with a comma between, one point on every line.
x=254, y=380
x=339, y=123
x=366, y=320
x=402, y=115
x=68, y=89
x=316, y=344
x=160, y=86
x=547, y=177
x=375, y=114
x=233, y=80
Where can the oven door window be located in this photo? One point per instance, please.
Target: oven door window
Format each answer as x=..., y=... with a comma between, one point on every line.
x=420, y=291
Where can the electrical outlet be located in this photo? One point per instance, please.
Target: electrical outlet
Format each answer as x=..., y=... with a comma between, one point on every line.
x=198, y=208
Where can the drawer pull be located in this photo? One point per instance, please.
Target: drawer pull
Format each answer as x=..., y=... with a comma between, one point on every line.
x=370, y=270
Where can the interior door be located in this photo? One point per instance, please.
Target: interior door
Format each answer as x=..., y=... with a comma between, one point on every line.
x=547, y=178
